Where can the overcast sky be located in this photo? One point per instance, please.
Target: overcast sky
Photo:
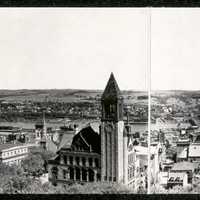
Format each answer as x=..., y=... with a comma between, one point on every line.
x=45, y=48
x=72, y=48
x=175, y=49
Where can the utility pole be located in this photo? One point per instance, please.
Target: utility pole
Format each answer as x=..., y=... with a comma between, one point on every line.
x=149, y=97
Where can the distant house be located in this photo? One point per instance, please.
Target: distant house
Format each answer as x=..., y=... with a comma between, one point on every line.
x=185, y=167
x=9, y=134
x=166, y=165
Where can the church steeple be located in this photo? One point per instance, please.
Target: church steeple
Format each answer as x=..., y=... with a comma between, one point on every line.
x=112, y=101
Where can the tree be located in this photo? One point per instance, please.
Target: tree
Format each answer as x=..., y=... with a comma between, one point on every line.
x=12, y=179
x=33, y=165
x=96, y=188
x=9, y=170
x=45, y=155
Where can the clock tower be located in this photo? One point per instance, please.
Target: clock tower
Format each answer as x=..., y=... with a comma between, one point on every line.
x=113, y=139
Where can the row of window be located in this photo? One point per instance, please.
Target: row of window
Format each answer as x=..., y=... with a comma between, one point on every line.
x=131, y=172
x=77, y=174
x=81, y=161
x=13, y=162
x=110, y=178
x=14, y=152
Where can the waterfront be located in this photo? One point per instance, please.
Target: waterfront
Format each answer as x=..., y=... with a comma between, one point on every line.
x=137, y=127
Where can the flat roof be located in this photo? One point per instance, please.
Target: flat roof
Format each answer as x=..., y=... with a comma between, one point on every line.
x=184, y=166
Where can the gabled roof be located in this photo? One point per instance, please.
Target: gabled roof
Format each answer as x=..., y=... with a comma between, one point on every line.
x=90, y=138
x=65, y=140
x=112, y=89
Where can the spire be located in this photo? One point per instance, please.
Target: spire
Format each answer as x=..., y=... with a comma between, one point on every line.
x=112, y=88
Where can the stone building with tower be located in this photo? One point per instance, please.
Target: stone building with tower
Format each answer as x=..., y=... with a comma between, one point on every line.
x=105, y=156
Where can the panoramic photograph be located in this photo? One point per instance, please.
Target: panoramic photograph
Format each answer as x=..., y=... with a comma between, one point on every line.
x=74, y=100
x=99, y=101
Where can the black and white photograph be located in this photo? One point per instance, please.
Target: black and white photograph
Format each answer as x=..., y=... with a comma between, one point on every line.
x=100, y=100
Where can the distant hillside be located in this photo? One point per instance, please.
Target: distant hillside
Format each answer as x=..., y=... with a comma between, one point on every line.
x=65, y=95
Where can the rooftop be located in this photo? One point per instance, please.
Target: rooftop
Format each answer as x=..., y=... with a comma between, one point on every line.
x=10, y=145
x=141, y=150
x=183, y=153
x=65, y=141
x=184, y=166
x=176, y=177
x=194, y=150
x=112, y=89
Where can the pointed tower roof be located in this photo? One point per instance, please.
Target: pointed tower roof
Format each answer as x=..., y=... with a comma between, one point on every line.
x=112, y=89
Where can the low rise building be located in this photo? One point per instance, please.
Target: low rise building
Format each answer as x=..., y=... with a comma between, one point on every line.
x=13, y=153
x=185, y=167
x=166, y=165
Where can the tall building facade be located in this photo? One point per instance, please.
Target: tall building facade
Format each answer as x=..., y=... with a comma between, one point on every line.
x=114, y=152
